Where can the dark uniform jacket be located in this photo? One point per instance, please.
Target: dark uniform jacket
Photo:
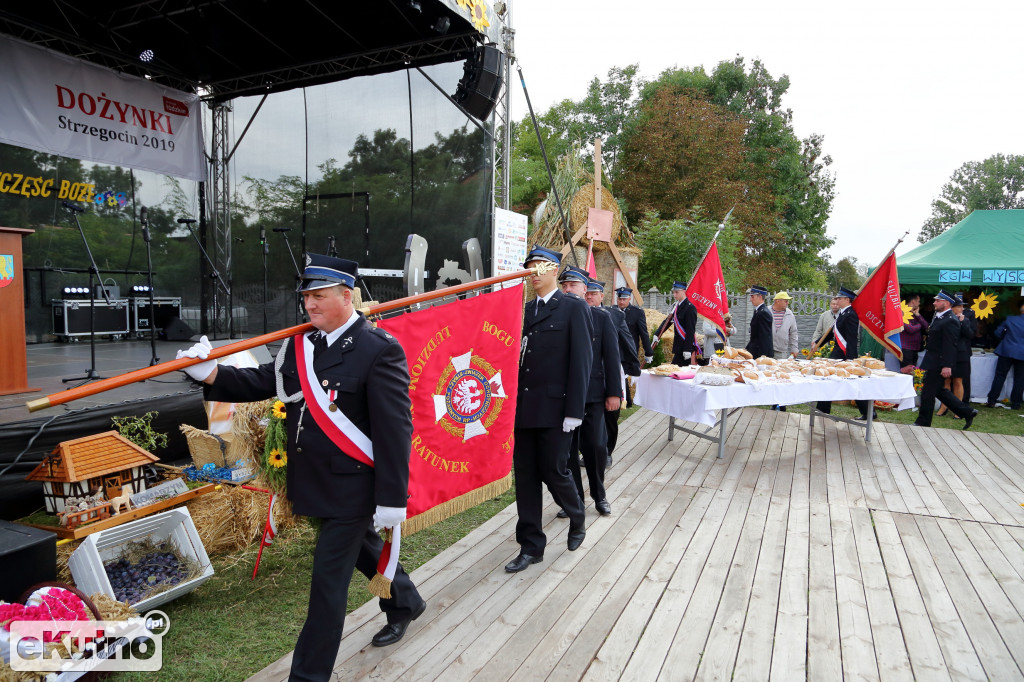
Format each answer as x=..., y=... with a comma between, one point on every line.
x=368, y=369
x=604, y=373
x=760, y=341
x=942, y=341
x=627, y=343
x=556, y=362
x=636, y=321
x=968, y=327
x=687, y=314
x=848, y=324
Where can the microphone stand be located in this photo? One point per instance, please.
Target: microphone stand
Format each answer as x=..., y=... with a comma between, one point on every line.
x=298, y=273
x=91, y=374
x=143, y=218
x=266, y=252
x=214, y=274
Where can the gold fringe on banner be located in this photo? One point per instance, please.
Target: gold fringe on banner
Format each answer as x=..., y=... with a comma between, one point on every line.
x=380, y=586
x=454, y=506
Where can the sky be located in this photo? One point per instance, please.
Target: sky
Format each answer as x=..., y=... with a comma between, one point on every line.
x=903, y=92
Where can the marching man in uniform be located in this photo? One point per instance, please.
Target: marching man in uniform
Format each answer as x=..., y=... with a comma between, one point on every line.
x=760, y=342
x=348, y=450
x=553, y=377
x=846, y=334
x=683, y=320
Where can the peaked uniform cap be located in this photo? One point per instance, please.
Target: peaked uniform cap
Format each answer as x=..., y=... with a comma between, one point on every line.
x=624, y=292
x=846, y=293
x=679, y=285
x=540, y=253
x=760, y=291
x=574, y=274
x=594, y=285
x=327, y=271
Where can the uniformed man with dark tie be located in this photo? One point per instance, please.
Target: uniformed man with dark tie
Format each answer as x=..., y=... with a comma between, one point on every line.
x=846, y=334
x=636, y=322
x=628, y=359
x=939, y=360
x=603, y=391
x=553, y=376
x=353, y=484
x=761, y=322
x=683, y=322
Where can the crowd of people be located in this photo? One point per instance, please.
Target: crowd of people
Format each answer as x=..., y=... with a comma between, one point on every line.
x=575, y=357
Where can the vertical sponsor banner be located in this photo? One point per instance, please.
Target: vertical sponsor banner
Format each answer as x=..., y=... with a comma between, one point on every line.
x=464, y=374
x=59, y=105
x=707, y=290
x=509, y=244
x=878, y=306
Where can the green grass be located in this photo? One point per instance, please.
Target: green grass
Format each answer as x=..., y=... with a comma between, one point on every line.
x=231, y=626
x=989, y=420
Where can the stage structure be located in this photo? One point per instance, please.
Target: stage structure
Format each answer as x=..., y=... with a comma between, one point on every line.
x=241, y=58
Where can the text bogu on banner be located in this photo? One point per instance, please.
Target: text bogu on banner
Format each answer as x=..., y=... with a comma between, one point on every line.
x=464, y=374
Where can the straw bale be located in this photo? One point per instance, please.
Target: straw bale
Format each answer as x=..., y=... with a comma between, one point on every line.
x=233, y=517
x=111, y=609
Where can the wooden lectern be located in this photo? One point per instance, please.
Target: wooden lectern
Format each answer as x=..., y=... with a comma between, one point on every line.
x=13, y=377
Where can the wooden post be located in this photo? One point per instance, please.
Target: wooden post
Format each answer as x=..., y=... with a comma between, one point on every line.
x=597, y=173
x=14, y=376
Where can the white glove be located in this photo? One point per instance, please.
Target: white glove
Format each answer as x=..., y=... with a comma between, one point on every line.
x=200, y=350
x=388, y=517
x=648, y=359
x=570, y=423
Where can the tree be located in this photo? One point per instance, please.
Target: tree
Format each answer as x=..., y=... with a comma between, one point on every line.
x=845, y=273
x=672, y=249
x=995, y=183
x=793, y=172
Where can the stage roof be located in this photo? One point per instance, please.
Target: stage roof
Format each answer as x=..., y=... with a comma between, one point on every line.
x=231, y=48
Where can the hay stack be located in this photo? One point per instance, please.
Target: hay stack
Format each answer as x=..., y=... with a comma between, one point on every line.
x=550, y=233
x=233, y=517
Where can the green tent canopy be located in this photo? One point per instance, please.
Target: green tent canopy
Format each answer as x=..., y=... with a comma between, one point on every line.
x=985, y=249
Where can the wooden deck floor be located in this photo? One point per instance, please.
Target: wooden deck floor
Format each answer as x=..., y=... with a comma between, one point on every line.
x=795, y=557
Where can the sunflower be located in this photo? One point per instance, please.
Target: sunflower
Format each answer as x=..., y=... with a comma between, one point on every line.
x=278, y=410
x=277, y=458
x=984, y=304
x=908, y=312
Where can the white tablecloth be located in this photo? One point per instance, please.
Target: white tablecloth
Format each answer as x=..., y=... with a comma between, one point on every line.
x=983, y=371
x=699, y=403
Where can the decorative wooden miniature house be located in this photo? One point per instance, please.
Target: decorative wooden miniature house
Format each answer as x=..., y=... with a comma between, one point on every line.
x=106, y=461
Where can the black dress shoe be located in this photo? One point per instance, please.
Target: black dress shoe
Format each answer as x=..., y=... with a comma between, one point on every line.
x=521, y=562
x=392, y=632
x=603, y=508
x=969, y=419
x=990, y=404
x=576, y=536
x=562, y=514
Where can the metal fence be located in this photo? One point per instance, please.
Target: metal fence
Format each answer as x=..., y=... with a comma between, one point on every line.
x=806, y=305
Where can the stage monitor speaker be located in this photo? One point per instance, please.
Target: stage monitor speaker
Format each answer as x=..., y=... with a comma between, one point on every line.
x=176, y=330
x=480, y=86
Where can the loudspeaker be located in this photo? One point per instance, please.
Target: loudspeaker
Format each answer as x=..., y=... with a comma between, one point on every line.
x=176, y=330
x=481, y=81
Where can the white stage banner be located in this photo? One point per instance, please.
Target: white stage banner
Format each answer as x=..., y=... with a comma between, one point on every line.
x=59, y=105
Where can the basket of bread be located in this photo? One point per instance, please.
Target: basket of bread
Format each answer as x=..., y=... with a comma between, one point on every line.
x=665, y=370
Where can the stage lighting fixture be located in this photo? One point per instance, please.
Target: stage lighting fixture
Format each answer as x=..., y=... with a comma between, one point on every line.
x=140, y=289
x=500, y=8
x=146, y=56
x=442, y=25
x=413, y=4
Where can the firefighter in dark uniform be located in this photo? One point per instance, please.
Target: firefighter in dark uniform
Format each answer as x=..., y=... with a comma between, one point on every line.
x=683, y=321
x=636, y=322
x=845, y=331
x=553, y=377
x=603, y=393
x=939, y=360
x=628, y=359
x=351, y=492
x=761, y=322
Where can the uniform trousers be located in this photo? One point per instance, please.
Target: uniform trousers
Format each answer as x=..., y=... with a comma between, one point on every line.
x=343, y=545
x=611, y=427
x=590, y=439
x=826, y=406
x=1003, y=367
x=541, y=456
x=933, y=386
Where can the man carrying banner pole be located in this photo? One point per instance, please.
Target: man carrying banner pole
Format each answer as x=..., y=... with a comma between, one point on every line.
x=348, y=452
x=555, y=368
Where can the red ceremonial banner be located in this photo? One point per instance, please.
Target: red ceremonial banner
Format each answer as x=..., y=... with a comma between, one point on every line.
x=464, y=374
x=878, y=306
x=707, y=290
